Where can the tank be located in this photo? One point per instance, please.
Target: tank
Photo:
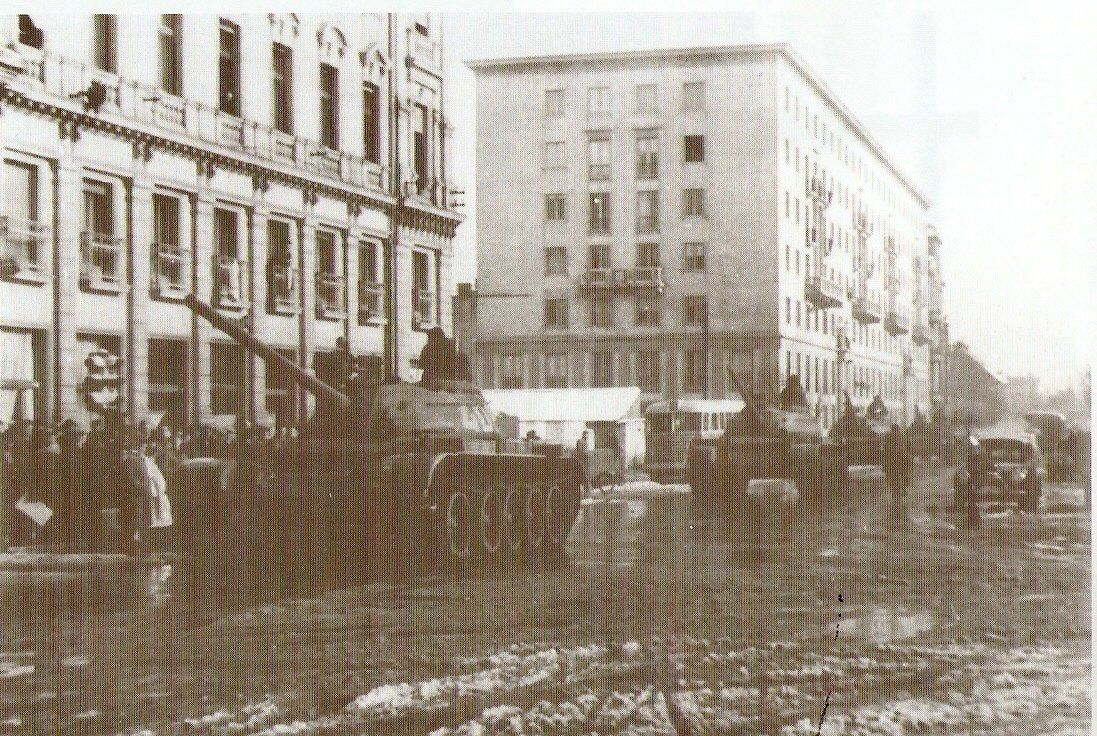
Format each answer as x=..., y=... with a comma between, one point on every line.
x=396, y=476
x=862, y=435
x=783, y=442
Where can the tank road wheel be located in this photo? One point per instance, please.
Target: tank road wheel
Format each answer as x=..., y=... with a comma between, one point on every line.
x=535, y=519
x=555, y=531
x=458, y=528
x=491, y=523
x=514, y=527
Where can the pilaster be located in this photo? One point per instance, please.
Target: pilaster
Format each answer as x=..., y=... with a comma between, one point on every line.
x=140, y=248
x=203, y=287
x=260, y=214
x=68, y=366
x=307, y=288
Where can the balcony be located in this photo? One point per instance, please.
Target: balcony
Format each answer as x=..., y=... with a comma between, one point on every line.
x=22, y=250
x=866, y=309
x=282, y=297
x=424, y=309
x=331, y=302
x=229, y=279
x=371, y=300
x=624, y=279
x=147, y=108
x=822, y=292
x=169, y=271
x=897, y=323
x=936, y=317
x=102, y=263
x=817, y=189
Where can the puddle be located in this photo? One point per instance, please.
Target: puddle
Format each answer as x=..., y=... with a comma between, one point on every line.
x=884, y=624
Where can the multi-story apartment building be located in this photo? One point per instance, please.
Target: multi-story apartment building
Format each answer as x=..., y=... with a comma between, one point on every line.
x=633, y=197
x=291, y=169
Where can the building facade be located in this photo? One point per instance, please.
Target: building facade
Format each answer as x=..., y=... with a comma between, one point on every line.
x=667, y=217
x=290, y=169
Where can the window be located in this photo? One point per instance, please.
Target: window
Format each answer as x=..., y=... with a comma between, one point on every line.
x=228, y=255
x=647, y=156
x=371, y=289
x=799, y=313
x=693, y=256
x=598, y=158
x=422, y=156
x=329, y=109
x=105, y=30
x=693, y=203
x=225, y=233
x=424, y=294
x=601, y=311
x=601, y=368
x=25, y=241
x=556, y=313
x=600, y=256
x=171, y=80
x=371, y=122
x=102, y=259
x=647, y=255
x=556, y=261
x=599, y=212
x=281, y=276
x=647, y=98
x=647, y=310
x=328, y=260
x=647, y=211
x=788, y=310
x=694, y=309
x=598, y=100
x=229, y=69
x=693, y=96
x=168, y=268
x=554, y=155
x=554, y=103
x=282, y=86
x=98, y=209
x=168, y=377
x=556, y=370
x=647, y=371
x=693, y=148
x=226, y=366
x=30, y=34
x=422, y=24
x=693, y=371
x=556, y=207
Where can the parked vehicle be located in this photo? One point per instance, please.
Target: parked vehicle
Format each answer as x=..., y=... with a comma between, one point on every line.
x=671, y=426
x=1070, y=462
x=1012, y=469
x=390, y=474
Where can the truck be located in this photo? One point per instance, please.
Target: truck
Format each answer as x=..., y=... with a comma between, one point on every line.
x=395, y=476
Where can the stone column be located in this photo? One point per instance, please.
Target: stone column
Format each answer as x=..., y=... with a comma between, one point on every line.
x=350, y=274
x=307, y=286
x=203, y=287
x=68, y=369
x=140, y=247
x=257, y=266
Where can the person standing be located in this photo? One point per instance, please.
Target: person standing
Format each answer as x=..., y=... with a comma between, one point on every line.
x=897, y=463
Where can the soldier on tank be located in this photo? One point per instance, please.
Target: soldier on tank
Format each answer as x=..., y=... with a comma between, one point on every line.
x=440, y=360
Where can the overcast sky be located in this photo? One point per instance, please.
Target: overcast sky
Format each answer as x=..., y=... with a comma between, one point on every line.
x=989, y=108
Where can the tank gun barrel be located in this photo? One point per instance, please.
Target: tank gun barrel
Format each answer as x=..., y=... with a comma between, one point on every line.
x=254, y=345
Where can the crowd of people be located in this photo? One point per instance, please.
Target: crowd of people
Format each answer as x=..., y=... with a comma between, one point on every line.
x=104, y=487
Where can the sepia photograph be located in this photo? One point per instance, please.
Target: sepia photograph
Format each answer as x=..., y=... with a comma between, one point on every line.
x=570, y=370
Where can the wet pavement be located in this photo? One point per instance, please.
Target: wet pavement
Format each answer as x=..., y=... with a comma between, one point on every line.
x=747, y=624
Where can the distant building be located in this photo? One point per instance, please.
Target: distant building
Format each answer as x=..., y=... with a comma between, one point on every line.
x=975, y=395
x=246, y=158
x=636, y=196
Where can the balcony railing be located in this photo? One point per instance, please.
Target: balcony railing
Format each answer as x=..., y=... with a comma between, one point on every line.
x=936, y=317
x=146, y=105
x=22, y=250
x=282, y=295
x=423, y=304
x=897, y=323
x=817, y=189
x=823, y=292
x=102, y=263
x=599, y=172
x=169, y=270
x=230, y=282
x=866, y=309
x=624, y=279
x=371, y=300
x=331, y=301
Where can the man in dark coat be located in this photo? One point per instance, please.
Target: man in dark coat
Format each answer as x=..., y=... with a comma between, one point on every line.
x=897, y=461
x=440, y=359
